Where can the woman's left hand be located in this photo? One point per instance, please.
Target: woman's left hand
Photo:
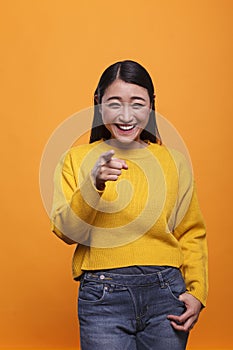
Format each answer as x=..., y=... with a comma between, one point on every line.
x=187, y=320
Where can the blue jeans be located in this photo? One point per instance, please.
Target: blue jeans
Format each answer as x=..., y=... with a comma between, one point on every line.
x=127, y=308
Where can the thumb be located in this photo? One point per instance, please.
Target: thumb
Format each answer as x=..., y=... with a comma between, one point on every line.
x=182, y=297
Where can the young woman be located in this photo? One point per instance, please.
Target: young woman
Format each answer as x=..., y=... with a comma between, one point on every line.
x=130, y=203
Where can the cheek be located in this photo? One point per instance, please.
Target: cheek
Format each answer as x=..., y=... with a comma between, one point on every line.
x=106, y=117
x=144, y=121
x=107, y=122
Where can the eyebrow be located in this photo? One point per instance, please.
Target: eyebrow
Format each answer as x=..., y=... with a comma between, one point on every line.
x=131, y=98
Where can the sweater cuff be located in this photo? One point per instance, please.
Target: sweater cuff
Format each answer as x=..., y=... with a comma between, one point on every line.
x=74, y=221
x=199, y=295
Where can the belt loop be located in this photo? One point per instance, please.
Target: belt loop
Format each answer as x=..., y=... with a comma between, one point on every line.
x=161, y=281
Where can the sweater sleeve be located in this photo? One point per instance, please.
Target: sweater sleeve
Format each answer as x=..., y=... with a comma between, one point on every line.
x=75, y=201
x=191, y=234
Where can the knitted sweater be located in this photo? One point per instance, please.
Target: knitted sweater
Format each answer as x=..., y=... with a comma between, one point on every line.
x=149, y=216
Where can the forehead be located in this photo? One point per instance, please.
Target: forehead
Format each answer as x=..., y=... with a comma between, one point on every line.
x=125, y=90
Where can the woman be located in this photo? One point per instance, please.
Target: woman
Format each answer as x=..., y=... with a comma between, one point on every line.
x=130, y=203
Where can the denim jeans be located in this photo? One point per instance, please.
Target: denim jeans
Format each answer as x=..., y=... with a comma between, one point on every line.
x=127, y=308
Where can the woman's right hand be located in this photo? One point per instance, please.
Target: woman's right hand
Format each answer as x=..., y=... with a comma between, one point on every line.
x=107, y=169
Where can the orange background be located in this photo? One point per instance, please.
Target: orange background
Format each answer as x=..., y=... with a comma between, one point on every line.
x=52, y=55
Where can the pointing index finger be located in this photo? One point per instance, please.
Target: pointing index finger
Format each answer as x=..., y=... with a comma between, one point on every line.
x=107, y=156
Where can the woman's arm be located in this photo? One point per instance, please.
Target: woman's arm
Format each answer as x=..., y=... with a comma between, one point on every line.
x=192, y=237
x=75, y=202
x=77, y=194
x=190, y=231
x=188, y=227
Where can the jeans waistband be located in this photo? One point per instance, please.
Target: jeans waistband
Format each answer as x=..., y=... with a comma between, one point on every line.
x=160, y=276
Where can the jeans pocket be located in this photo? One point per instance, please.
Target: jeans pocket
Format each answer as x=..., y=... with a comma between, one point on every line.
x=91, y=292
x=176, y=287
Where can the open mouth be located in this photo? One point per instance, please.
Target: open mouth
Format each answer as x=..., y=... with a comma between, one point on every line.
x=125, y=127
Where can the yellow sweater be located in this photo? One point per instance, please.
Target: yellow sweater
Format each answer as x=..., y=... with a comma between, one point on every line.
x=149, y=216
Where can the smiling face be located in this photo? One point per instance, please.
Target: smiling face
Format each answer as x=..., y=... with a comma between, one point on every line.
x=125, y=111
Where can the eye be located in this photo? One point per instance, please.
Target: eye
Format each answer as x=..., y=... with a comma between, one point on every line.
x=137, y=105
x=114, y=105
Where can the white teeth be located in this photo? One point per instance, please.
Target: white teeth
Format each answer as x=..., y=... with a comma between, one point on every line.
x=125, y=127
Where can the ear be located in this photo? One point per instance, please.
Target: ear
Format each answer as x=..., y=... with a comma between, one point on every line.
x=97, y=102
x=96, y=98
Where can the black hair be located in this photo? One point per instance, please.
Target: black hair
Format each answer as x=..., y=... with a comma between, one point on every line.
x=133, y=73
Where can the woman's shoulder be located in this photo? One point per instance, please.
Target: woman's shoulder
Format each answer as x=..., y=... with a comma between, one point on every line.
x=166, y=151
x=166, y=154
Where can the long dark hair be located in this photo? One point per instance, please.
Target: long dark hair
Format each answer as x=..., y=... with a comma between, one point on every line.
x=130, y=72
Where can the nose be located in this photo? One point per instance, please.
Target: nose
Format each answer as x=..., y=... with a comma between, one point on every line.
x=126, y=114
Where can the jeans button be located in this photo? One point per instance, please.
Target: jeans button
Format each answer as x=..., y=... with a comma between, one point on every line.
x=102, y=277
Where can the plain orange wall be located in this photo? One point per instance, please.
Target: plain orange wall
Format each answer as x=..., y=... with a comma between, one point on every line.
x=52, y=54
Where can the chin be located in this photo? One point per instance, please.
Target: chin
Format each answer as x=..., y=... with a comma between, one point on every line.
x=126, y=140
